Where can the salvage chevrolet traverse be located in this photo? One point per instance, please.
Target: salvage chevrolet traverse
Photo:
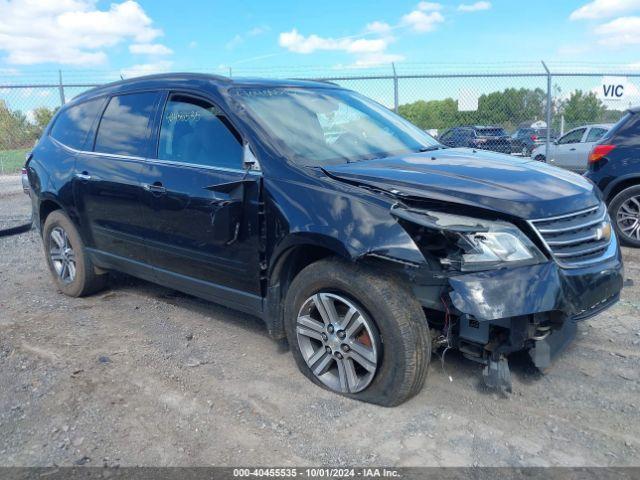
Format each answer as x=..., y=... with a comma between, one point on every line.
x=347, y=230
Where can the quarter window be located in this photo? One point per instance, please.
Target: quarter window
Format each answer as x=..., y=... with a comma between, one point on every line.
x=195, y=131
x=596, y=134
x=74, y=123
x=124, y=126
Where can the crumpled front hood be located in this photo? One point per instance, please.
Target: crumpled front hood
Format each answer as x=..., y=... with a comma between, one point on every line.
x=521, y=187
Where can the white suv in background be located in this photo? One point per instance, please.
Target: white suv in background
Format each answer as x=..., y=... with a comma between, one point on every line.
x=572, y=149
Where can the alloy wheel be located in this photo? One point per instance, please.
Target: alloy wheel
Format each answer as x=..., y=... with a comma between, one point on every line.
x=628, y=218
x=338, y=341
x=62, y=256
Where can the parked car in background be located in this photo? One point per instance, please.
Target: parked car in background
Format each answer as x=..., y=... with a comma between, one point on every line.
x=477, y=136
x=524, y=140
x=571, y=151
x=614, y=166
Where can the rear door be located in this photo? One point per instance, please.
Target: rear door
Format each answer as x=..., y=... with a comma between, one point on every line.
x=201, y=207
x=566, y=148
x=107, y=187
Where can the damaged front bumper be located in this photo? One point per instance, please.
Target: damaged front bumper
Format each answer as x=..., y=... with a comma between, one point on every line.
x=534, y=308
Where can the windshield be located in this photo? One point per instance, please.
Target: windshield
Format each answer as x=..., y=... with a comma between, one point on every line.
x=319, y=127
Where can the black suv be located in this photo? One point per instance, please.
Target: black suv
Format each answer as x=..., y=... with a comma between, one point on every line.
x=349, y=231
x=614, y=166
x=478, y=136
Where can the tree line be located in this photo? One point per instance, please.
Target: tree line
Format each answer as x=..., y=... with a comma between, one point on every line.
x=17, y=130
x=509, y=109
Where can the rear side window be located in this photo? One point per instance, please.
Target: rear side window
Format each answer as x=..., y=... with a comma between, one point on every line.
x=595, y=134
x=195, y=131
x=74, y=123
x=124, y=127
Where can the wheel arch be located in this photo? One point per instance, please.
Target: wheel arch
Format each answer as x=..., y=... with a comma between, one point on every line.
x=289, y=260
x=621, y=184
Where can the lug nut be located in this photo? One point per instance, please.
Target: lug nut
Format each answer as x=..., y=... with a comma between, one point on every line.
x=324, y=337
x=327, y=349
x=341, y=334
x=339, y=355
x=345, y=347
x=330, y=329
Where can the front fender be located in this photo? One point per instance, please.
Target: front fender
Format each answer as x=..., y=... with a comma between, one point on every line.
x=351, y=223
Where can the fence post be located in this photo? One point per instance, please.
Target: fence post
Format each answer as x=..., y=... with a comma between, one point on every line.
x=61, y=88
x=548, y=139
x=395, y=88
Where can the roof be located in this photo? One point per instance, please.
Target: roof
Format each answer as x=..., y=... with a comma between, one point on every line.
x=199, y=80
x=635, y=109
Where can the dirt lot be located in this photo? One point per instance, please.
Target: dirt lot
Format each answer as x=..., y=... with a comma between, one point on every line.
x=141, y=375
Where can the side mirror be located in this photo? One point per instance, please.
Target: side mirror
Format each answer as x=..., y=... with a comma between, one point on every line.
x=249, y=160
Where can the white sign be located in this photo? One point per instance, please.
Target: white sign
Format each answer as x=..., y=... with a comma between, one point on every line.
x=614, y=89
x=539, y=124
x=467, y=100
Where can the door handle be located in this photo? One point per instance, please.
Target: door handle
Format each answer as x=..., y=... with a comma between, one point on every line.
x=84, y=176
x=155, y=188
x=572, y=149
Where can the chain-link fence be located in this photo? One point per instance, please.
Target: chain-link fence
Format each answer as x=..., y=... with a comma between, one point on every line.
x=450, y=103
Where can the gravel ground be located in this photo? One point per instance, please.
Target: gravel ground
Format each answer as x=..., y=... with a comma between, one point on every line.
x=142, y=375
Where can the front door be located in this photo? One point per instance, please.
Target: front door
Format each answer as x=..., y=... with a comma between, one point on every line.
x=201, y=206
x=107, y=186
x=566, y=148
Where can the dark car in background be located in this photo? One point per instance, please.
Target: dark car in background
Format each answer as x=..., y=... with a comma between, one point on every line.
x=614, y=166
x=525, y=139
x=477, y=136
x=346, y=229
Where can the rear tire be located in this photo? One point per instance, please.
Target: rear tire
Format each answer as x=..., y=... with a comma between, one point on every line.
x=401, y=343
x=540, y=158
x=624, y=210
x=73, y=272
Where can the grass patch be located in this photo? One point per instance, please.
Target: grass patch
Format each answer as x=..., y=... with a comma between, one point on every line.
x=11, y=161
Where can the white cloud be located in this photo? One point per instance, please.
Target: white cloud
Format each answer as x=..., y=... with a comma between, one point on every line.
x=474, y=7
x=239, y=39
x=599, y=9
x=429, y=6
x=192, y=44
x=295, y=42
x=379, y=27
x=619, y=32
x=422, y=22
x=146, y=69
x=370, y=46
x=69, y=31
x=149, y=49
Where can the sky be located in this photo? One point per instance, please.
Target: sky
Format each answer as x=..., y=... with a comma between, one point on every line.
x=145, y=36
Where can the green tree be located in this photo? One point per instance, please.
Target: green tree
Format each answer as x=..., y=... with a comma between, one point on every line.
x=582, y=108
x=42, y=116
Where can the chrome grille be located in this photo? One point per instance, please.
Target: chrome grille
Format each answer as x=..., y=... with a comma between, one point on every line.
x=576, y=239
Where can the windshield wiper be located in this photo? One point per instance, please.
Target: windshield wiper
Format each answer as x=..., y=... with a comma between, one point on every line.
x=431, y=148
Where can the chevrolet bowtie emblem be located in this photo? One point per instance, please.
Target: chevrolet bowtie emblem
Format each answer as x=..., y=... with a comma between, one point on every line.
x=604, y=231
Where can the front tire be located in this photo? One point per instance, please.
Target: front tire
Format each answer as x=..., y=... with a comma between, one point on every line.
x=357, y=332
x=71, y=268
x=624, y=210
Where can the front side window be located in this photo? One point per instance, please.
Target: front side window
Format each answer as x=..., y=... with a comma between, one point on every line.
x=124, y=127
x=74, y=123
x=325, y=126
x=195, y=131
x=572, y=137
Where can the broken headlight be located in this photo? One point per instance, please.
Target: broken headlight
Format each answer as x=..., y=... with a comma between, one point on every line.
x=470, y=244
